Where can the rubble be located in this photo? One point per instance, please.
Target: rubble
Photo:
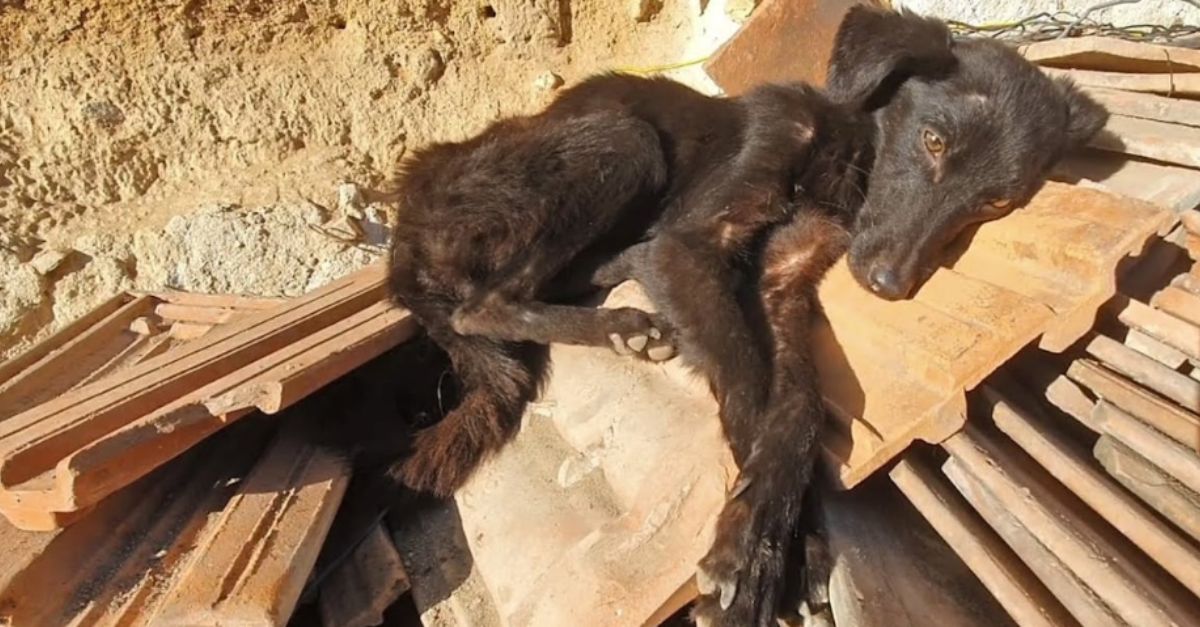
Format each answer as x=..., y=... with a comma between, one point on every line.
x=1040, y=409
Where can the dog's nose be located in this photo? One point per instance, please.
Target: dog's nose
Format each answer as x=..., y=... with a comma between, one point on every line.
x=886, y=283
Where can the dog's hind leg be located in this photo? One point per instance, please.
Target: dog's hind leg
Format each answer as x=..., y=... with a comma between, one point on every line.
x=487, y=228
x=498, y=379
x=742, y=577
x=627, y=330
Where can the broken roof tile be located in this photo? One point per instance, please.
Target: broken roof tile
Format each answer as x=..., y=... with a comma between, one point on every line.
x=362, y=588
x=251, y=563
x=72, y=451
x=619, y=472
x=768, y=48
x=1112, y=54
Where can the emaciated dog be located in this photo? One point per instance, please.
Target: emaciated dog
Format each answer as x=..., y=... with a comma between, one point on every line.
x=728, y=211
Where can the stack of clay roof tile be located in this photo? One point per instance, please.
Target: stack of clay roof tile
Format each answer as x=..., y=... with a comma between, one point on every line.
x=128, y=493
x=1073, y=492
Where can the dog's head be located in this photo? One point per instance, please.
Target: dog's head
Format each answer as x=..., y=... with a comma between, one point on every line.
x=966, y=131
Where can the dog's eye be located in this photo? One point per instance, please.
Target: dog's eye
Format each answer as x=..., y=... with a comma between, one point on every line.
x=1000, y=203
x=933, y=143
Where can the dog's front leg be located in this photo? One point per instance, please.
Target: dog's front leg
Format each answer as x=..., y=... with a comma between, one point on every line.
x=742, y=577
x=691, y=282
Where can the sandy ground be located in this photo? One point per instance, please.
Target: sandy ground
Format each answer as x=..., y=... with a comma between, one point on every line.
x=206, y=144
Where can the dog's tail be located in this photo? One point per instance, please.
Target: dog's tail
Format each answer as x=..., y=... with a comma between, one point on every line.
x=498, y=379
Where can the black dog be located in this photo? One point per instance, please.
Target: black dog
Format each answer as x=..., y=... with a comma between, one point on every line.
x=728, y=211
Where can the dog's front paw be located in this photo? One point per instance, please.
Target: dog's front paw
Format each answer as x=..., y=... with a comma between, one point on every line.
x=741, y=578
x=647, y=336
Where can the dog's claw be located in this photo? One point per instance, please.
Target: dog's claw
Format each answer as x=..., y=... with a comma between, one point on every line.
x=738, y=488
x=661, y=353
x=643, y=335
x=618, y=344
x=704, y=583
x=728, y=593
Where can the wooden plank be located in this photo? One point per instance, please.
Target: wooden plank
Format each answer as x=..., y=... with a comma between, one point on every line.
x=110, y=460
x=321, y=359
x=1175, y=459
x=1068, y=397
x=982, y=314
x=890, y=568
x=1038, y=275
x=1158, y=490
x=619, y=471
x=1170, y=419
x=1124, y=512
x=1160, y=141
x=1191, y=221
x=1148, y=106
x=1151, y=374
x=155, y=381
x=1169, y=186
x=1080, y=601
x=1109, y=53
x=251, y=567
x=1163, y=327
x=186, y=332
x=1168, y=84
x=1114, y=571
x=158, y=345
x=366, y=585
x=1179, y=303
x=1090, y=247
x=1187, y=282
x=1155, y=349
x=125, y=356
x=1025, y=599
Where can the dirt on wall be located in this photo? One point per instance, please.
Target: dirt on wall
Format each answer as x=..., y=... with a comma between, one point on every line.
x=224, y=145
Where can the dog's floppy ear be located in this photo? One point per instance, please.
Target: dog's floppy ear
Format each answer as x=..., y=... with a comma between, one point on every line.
x=1085, y=117
x=875, y=49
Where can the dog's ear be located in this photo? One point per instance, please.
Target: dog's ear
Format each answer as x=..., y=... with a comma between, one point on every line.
x=876, y=49
x=1085, y=117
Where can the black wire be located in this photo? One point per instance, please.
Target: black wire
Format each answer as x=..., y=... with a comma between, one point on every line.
x=1045, y=26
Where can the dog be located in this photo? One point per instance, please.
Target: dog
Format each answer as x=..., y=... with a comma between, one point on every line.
x=728, y=211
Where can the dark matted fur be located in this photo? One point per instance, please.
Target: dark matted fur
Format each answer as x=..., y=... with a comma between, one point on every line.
x=728, y=211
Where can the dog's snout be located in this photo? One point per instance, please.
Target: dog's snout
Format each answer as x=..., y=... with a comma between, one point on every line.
x=885, y=282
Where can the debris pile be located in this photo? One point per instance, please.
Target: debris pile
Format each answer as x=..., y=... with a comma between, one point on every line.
x=117, y=491
x=1038, y=404
x=1073, y=492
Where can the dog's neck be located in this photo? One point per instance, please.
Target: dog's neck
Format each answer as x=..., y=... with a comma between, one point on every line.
x=835, y=174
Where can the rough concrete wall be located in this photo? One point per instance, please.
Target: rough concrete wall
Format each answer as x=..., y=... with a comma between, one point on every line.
x=980, y=12
x=202, y=144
